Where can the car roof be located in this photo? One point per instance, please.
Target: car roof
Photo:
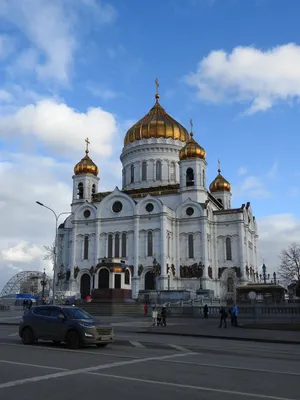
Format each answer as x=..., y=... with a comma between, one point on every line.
x=55, y=305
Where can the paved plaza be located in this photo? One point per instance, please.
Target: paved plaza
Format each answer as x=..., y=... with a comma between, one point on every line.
x=172, y=368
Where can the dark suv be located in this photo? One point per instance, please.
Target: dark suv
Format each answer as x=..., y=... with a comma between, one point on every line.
x=66, y=324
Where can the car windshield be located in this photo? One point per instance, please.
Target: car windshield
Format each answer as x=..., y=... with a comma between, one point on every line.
x=75, y=313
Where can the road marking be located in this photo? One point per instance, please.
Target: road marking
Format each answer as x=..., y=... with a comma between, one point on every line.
x=200, y=388
x=32, y=365
x=4, y=318
x=136, y=344
x=94, y=353
x=269, y=371
x=177, y=347
x=85, y=370
x=13, y=334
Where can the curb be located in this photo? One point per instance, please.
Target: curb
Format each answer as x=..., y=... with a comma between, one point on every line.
x=9, y=323
x=241, y=339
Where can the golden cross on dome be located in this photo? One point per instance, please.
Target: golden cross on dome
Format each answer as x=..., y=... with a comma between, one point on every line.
x=87, y=145
x=157, y=85
x=191, y=123
x=219, y=165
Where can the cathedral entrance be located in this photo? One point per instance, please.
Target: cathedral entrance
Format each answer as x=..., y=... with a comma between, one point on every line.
x=149, y=281
x=85, y=286
x=103, y=279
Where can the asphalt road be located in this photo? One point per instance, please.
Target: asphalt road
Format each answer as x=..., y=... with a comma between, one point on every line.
x=211, y=370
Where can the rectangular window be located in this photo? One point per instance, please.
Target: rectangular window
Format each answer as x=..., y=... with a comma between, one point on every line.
x=124, y=245
x=191, y=246
x=150, y=244
x=86, y=248
x=110, y=246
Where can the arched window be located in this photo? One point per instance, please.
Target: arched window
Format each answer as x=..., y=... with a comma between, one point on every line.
x=191, y=246
x=203, y=177
x=124, y=244
x=93, y=189
x=228, y=249
x=127, y=277
x=150, y=244
x=110, y=246
x=86, y=248
x=190, y=177
x=144, y=171
x=158, y=171
x=117, y=245
x=80, y=190
x=132, y=174
x=172, y=172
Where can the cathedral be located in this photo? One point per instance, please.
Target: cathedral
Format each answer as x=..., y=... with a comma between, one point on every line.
x=166, y=229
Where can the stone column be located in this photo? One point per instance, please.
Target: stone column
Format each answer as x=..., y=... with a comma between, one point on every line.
x=242, y=263
x=163, y=252
x=204, y=250
x=135, y=279
x=73, y=262
x=177, y=249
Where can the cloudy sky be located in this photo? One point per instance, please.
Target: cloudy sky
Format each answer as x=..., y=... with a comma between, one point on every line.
x=77, y=68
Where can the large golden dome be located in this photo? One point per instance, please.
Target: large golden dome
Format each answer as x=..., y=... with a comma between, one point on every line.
x=192, y=149
x=156, y=124
x=219, y=184
x=86, y=164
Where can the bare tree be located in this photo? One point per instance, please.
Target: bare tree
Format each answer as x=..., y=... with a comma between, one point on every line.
x=289, y=268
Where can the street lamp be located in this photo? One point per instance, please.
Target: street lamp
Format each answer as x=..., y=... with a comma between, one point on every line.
x=169, y=277
x=43, y=283
x=55, y=242
x=264, y=275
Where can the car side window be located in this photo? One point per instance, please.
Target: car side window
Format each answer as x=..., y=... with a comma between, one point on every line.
x=42, y=312
x=55, y=312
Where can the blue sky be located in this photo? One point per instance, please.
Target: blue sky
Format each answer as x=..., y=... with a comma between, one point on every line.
x=76, y=68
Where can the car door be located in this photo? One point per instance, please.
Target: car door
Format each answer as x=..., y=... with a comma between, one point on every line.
x=57, y=328
x=39, y=321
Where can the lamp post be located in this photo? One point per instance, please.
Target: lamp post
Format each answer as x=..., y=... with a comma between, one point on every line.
x=264, y=276
x=55, y=242
x=169, y=277
x=43, y=283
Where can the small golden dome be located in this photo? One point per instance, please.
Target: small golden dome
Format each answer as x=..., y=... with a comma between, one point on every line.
x=192, y=149
x=156, y=124
x=86, y=164
x=219, y=184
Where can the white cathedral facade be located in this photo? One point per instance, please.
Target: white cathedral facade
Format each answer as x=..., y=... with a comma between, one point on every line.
x=167, y=229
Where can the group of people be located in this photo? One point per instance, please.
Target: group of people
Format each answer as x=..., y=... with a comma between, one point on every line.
x=159, y=318
x=224, y=315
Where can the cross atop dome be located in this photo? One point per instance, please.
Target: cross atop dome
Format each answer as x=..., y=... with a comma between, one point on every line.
x=157, y=86
x=87, y=146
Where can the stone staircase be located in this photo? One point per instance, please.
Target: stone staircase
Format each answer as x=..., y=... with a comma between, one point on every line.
x=117, y=309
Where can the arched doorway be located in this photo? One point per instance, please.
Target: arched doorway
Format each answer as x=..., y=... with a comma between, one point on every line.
x=149, y=281
x=85, y=286
x=103, y=279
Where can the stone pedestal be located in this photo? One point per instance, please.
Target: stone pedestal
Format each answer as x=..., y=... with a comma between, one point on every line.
x=111, y=295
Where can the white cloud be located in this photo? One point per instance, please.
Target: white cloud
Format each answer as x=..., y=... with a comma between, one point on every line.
x=5, y=97
x=22, y=252
x=249, y=75
x=251, y=187
x=276, y=232
x=242, y=171
x=103, y=92
x=62, y=128
x=51, y=28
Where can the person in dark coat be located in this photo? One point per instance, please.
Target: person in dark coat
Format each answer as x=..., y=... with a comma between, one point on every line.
x=205, y=311
x=223, y=316
x=164, y=316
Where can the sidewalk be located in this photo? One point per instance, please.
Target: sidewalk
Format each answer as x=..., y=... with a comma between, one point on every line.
x=210, y=329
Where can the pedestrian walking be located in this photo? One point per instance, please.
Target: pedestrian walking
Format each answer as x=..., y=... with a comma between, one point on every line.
x=205, y=311
x=164, y=316
x=235, y=313
x=145, y=310
x=154, y=316
x=223, y=316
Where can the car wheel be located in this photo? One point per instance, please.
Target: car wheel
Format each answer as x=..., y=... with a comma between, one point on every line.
x=101, y=344
x=28, y=336
x=72, y=340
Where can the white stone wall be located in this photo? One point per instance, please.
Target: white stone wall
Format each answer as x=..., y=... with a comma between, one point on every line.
x=170, y=226
x=151, y=151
